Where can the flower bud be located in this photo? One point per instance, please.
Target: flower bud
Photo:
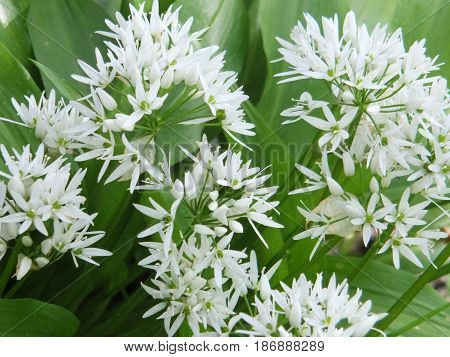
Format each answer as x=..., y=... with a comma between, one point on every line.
x=178, y=189
x=155, y=73
x=374, y=187
x=265, y=291
x=349, y=28
x=386, y=181
x=348, y=97
x=334, y=187
x=108, y=102
x=214, y=195
x=203, y=230
x=167, y=78
x=220, y=231
x=23, y=266
x=189, y=186
x=27, y=241
x=11, y=231
x=213, y=205
x=46, y=246
x=236, y=227
x=16, y=185
x=41, y=262
x=349, y=165
x=373, y=109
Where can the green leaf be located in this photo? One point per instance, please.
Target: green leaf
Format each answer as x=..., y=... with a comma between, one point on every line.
x=110, y=6
x=170, y=138
x=63, y=31
x=15, y=82
x=227, y=22
x=33, y=318
x=13, y=30
x=253, y=74
x=66, y=89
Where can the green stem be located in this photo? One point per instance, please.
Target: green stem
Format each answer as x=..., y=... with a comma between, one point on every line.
x=402, y=303
x=418, y=321
x=17, y=285
x=9, y=267
x=249, y=307
x=440, y=272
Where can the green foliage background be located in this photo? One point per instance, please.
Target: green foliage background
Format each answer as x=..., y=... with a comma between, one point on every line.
x=40, y=41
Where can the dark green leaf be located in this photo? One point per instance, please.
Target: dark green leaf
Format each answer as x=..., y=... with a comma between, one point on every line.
x=227, y=22
x=110, y=6
x=15, y=82
x=65, y=88
x=27, y=317
x=63, y=31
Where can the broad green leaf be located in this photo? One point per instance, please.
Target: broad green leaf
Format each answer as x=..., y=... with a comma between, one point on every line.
x=110, y=6
x=13, y=30
x=33, y=318
x=170, y=138
x=15, y=82
x=227, y=22
x=253, y=72
x=65, y=88
x=63, y=31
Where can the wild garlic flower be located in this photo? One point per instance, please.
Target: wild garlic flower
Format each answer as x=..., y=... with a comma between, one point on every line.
x=399, y=226
x=388, y=115
x=388, y=112
x=154, y=77
x=307, y=309
x=221, y=192
x=197, y=282
x=61, y=127
x=42, y=211
x=200, y=281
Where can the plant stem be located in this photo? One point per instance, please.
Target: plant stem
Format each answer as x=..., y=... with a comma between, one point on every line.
x=411, y=293
x=418, y=321
x=444, y=270
x=9, y=267
x=17, y=285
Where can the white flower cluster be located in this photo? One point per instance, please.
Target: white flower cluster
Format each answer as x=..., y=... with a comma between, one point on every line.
x=387, y=114
x=197, y=273
x=218, y=192
x=152, y=79
x=42, y=213
x=308, y=309
x=62, y=128
x=201, y=279
x=201, y=282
